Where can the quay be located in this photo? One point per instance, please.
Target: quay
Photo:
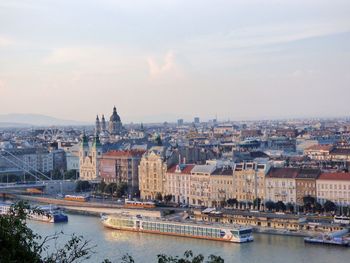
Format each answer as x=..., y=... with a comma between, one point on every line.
x=261, y=222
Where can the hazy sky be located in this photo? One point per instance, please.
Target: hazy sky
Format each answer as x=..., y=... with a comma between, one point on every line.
x=159, y=60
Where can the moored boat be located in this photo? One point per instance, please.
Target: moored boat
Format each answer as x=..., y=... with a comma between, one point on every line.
x=47, y=214
x=237, y=234
x=335, y=238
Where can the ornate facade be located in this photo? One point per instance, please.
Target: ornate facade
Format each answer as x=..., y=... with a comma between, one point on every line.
x=115, y=126
x=89, y=158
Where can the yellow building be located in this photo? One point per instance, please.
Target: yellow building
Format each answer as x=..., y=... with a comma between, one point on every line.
x=249, y=180
x=153, y=166
x=200, y=185
x=221, y=184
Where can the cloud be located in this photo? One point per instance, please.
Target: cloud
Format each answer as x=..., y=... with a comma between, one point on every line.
x=2, y=87
x=157, y=69
x=6, y=41
x=257, y=36
x=69, y=55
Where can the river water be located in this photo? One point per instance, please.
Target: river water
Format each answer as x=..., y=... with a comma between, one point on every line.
x=144, y=248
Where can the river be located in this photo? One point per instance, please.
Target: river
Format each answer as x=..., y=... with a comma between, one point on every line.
x=144, y=248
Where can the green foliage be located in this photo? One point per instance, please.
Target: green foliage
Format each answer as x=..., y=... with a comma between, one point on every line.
x=56, y=174
x=280, y=206
x=270, y=205
x=122, y=189
x=290, y=207
x=188, y=257
x=70, y=175
x=329, y=206
x=9, y=178
x=167, y=198
x=82, y=186
x=257, y=203
x=158, y=141
x=18, y=243
x=232, y=201
x=309, y=203
x=159, y=197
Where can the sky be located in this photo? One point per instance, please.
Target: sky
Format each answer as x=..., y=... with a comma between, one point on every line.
x=159, y=60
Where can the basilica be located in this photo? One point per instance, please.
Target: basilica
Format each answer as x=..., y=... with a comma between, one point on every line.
x=115, y=126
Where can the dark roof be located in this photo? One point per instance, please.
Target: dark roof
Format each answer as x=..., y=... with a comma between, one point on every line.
x=259, y=154
x=308, y=173
x=283, y=173
x=223, y=171
x=339, y=151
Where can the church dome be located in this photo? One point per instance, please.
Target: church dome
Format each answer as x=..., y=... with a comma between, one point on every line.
x=114, y=117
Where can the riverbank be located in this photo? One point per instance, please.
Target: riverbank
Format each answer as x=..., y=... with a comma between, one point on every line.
x=96, y=209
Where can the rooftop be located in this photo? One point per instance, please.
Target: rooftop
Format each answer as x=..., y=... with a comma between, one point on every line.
x=335, y=176
x=284, y=173
x=204, y=169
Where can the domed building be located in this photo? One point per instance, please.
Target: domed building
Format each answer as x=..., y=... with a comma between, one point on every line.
x=115, y=125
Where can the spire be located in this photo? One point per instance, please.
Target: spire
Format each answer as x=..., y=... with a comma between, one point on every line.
x=85, y=141
x=96, y=142
x=97, y=119
x=114, y=109
x=103, y=123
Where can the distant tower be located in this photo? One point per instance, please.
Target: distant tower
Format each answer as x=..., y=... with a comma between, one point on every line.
x=103, y=123
x=115, y=124
x=97, y=125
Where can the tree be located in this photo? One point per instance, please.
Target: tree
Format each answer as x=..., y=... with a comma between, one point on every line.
x=249, y=204
x=122, y=189
x=290, y=207
x=232, y=201
x=158, y=140
x=18, y=243
x=82, y=186
x=70, y=175
x=159, y=197
x=189, y=258
x=309, y=203
x=101, y=187
x=110, y=188
x=167, y=198
x=280, y=206
x=318, y=207
x=257, y=203
x=270, y=205
x=56, y=174
x=329, y=206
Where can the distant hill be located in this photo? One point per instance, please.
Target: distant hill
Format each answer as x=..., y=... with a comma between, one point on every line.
x=25, y=120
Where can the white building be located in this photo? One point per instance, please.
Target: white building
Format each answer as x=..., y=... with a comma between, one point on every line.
x=177, y=182
x=281, y=185
x=334, y=187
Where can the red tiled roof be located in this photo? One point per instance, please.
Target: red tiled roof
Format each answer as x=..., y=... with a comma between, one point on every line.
x=283, y=173
x=187, y=170
x=334, y=176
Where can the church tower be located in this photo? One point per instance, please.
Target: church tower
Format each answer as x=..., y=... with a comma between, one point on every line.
x=103, y=123
x=97, y=125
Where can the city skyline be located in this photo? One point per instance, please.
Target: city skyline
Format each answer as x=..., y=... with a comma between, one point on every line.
x=163, y=60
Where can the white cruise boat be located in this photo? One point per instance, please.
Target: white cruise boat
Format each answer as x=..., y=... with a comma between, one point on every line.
x=235, y=234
